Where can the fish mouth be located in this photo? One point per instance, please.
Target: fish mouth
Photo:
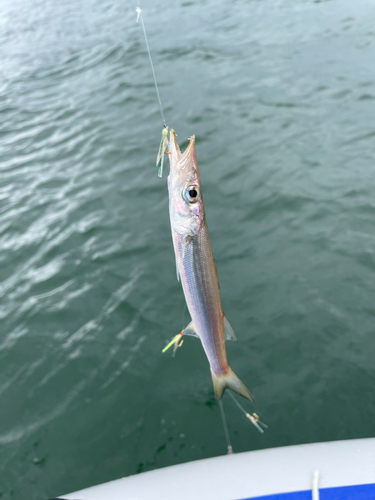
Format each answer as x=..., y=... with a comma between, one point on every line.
x=178, y=160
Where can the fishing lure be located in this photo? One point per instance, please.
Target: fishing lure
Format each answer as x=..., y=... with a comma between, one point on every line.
x=162, y=150
x=254, y=418
x=175, y=341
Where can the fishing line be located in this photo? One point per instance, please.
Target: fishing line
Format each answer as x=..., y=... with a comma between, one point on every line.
x=237, y=403
x=183, y=317
x=230, y=449
x=139, y=12
x=254, y=419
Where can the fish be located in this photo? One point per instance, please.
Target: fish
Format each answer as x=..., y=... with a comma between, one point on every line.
x=196, y=267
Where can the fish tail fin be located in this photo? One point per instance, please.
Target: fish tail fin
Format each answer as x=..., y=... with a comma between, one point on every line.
x=231, y=381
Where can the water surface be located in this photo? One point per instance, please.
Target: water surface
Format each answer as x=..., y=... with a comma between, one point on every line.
x=281, y=97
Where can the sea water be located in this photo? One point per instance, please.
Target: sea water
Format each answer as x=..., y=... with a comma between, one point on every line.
x=281, y=97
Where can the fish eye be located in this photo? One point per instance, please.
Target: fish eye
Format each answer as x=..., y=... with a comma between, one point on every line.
x=192, y=194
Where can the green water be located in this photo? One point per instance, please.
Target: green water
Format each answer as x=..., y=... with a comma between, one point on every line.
x=281, y=97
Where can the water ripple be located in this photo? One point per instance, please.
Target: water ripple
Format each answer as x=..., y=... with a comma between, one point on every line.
x=280, y=96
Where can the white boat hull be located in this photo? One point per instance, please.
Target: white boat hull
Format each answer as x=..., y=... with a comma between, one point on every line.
x=253, y=474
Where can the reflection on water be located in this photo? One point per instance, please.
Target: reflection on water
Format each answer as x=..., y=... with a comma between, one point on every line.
x=281, y=97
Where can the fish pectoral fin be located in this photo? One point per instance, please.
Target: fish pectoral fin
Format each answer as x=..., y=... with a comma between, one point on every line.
x=190, y=330
x=229, y=333
x=177, y=271
x=184, y=243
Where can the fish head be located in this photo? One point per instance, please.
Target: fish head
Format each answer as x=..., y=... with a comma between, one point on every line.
x=185, y=193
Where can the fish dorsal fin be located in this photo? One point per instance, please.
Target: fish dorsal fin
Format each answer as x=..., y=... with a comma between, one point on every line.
x=190, y=330
x=229, y=333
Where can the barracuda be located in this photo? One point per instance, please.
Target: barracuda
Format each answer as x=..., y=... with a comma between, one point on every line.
x=196, y=266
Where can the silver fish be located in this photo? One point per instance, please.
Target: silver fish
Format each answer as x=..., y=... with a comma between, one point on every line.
x=196, y=266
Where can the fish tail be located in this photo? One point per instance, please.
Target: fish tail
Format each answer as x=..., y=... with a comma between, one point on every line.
x=231, y=381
